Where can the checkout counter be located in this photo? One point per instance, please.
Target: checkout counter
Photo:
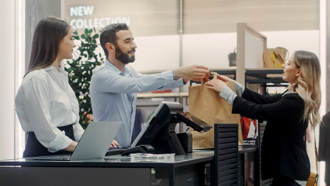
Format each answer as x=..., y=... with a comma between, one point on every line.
x=223, y=165
x=113, y=170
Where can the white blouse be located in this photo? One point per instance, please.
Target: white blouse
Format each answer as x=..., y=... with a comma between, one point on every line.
x=46, y=101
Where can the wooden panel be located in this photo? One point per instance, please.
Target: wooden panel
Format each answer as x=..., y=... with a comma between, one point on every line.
x=35, y=10
x=214, y=16
x=249, y=44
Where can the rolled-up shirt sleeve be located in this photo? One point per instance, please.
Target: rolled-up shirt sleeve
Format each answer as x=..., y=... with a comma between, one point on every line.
x=239, y=88
x=229, y=95
x=36, y=97
x=78, y=131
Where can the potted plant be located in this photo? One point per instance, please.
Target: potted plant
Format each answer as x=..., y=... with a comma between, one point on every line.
x=80, y=72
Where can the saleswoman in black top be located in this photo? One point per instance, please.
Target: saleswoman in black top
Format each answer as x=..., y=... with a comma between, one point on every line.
x=284, y=156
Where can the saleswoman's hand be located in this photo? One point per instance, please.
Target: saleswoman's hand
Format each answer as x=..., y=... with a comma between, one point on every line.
x=114, y=144
x=216, y=85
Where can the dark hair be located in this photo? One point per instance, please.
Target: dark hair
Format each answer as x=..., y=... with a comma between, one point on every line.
x=109, y=35
x=46, y=40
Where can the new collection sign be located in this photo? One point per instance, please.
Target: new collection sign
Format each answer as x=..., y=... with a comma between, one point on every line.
x=144, y=18
x=96, y=22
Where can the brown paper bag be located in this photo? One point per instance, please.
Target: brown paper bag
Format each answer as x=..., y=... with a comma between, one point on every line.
x=208, y=106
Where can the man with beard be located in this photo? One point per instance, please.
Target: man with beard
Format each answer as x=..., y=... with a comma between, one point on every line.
x=114, y=85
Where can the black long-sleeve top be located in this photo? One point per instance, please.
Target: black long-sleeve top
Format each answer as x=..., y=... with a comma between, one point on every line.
x=283, y=149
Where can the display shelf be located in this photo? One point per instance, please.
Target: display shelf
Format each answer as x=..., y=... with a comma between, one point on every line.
x=227, y=70
x=157, y=95
x=264, y=76
x=162, y=95
x=184, y=94
x=266, y=80
x=250, y=71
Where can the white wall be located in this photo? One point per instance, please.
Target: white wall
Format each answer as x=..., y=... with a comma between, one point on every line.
x=308, y=40
x=156, y=53
x=210, y=50
x=7, y=19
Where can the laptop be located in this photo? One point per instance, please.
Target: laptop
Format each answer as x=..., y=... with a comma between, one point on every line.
x=93, y=144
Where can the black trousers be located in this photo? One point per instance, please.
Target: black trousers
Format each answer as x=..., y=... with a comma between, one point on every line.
x=35, y=148
x=284, y=181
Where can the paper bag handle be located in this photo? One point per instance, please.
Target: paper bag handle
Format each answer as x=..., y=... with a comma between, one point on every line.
x=215, y=75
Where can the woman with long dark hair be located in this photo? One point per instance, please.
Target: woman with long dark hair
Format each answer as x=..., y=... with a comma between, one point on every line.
x=283, y=152
x=45, y=103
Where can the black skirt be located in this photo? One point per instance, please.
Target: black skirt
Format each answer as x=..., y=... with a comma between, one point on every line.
x=35, y=148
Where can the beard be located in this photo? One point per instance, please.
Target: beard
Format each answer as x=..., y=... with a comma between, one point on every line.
x=123, y=57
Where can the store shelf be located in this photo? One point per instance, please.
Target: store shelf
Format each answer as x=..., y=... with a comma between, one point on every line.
x=228, y=70
x=266, y=80
x=162, y=95
x=264, y=76
x=225, y=71
x=250, y=71
x=184, y=94
x=158, y=95
x=253, y=76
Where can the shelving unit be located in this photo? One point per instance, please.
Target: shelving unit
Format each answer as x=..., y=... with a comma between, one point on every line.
x=176, y=96
x=264, y=75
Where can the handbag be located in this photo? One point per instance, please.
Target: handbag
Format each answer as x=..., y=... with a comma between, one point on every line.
x=274, y=58
x=207, y=105
x=314, y=177
x=232, y=58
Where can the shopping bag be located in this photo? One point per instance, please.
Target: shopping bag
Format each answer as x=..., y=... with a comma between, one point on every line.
x=312, y=180
x=207, y=105
x=232, y=58
x=274, y=57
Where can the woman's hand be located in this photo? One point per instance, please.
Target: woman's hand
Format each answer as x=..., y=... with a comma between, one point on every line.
x=216, y=85
x=114, y=144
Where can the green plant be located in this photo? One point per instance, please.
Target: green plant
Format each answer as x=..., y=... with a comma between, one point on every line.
x=80, y=71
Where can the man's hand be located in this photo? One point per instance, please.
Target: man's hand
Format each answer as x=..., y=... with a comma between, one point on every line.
x=114, y=144
x=193, y=72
